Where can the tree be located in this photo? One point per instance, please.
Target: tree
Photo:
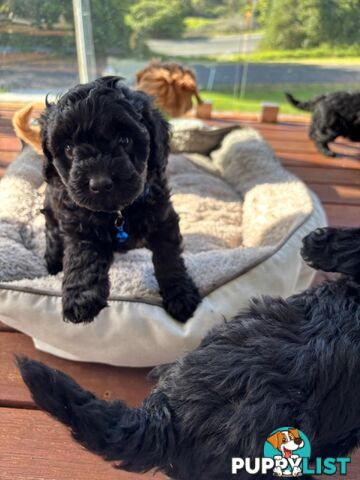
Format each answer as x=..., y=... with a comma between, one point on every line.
x=42, y=13
x=108, y=21
x=156, y=18
x=110, y=31
x=283, y=28
x=309, y=23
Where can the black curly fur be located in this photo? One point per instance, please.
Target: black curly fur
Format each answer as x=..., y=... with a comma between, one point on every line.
x=293, y=362
x=334, y=115
x=106, y=137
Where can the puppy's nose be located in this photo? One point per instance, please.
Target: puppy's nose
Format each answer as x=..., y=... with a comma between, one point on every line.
x=100, y=184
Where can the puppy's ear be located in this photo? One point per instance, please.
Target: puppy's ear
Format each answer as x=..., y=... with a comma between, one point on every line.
x=275, y=440
x=159, y=131
x=295, y=432
x=48, y=166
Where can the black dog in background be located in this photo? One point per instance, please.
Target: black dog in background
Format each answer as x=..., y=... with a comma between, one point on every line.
x=293, y=362
x=106, y=149
x=333, y=115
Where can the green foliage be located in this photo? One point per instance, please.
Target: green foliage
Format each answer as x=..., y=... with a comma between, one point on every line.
x=194, y=23
x=110, y=32
x=216, y=8
x=207, y=8
x=122, y=26
x=41, y=13
x=108, y=21
x=263, y=11
x=156, y=18
x=309, y=23
x=283, y=28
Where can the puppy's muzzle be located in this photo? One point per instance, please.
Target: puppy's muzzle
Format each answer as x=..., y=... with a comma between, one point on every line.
x=100, y=184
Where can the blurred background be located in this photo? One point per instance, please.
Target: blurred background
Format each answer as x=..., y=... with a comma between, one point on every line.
x=243, y=51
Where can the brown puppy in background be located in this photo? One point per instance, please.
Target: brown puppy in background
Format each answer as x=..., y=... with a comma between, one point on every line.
x=25, y=130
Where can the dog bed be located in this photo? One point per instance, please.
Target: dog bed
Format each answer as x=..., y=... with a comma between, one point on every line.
x=242, y=216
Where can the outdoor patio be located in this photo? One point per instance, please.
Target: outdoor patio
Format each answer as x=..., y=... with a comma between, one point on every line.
x=33, y=446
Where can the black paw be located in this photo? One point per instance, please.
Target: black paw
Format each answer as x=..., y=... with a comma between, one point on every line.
x=329, y=153
x=334, y=250
x=181, y=299
x=83, y=306
x=315, y=249
x=53, y=266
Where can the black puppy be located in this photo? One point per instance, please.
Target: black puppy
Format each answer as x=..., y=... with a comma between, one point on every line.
x=106, y=149
x=334, y=115
x=292, y=362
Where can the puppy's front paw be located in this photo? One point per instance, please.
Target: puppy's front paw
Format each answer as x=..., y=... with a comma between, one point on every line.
x=82, y=307
x=53, y=266
x=315, y=248
x=181, y=299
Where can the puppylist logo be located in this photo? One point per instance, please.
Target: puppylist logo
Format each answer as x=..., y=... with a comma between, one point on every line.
x=287, y=453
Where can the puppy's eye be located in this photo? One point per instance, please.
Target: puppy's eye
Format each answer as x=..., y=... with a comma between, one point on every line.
x=124, y=140
x=69, y=150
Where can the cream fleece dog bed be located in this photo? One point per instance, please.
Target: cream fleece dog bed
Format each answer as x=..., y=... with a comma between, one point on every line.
x=242, y=216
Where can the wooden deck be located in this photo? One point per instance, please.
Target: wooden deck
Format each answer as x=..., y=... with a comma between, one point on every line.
x=33, y=446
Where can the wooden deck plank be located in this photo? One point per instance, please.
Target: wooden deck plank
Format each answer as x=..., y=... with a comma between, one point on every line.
x=337, y=194
x=34, y=443
x=128, y=384
x=35, y=447
x=305, y=146
x=7, y=157
x=314, y=159
x=329, y=176
x=343, y=215
x=10, y=143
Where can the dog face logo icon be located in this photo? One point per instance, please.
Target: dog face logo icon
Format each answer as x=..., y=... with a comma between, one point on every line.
x=286, y=441
x=287, y=446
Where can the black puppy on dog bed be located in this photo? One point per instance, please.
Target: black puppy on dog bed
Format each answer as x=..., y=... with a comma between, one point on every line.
x=106, y=149
x=280, y=362
x=334, y=115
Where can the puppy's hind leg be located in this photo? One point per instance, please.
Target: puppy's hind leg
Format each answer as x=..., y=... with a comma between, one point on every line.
x=334, y=250
x=323, y=148
x=322, y=139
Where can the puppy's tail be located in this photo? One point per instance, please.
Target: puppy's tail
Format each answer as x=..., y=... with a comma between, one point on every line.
x=140, y=439
x=28, y=133
x=307, y=106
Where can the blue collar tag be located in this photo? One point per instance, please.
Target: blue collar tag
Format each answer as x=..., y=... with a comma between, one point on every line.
x=121, y=235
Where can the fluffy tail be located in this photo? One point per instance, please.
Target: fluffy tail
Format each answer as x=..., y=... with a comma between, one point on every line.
x=141, y=439
x=307, y=106
x=30, y=134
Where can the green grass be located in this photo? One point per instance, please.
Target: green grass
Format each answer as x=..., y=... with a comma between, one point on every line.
x=255, y=95
x=321, y=55
x=193, y=23
x=211, y=27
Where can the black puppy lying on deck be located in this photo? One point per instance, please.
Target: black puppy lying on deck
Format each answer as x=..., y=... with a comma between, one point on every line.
x=280, y=362
x=334, y=115
x=106, y=149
